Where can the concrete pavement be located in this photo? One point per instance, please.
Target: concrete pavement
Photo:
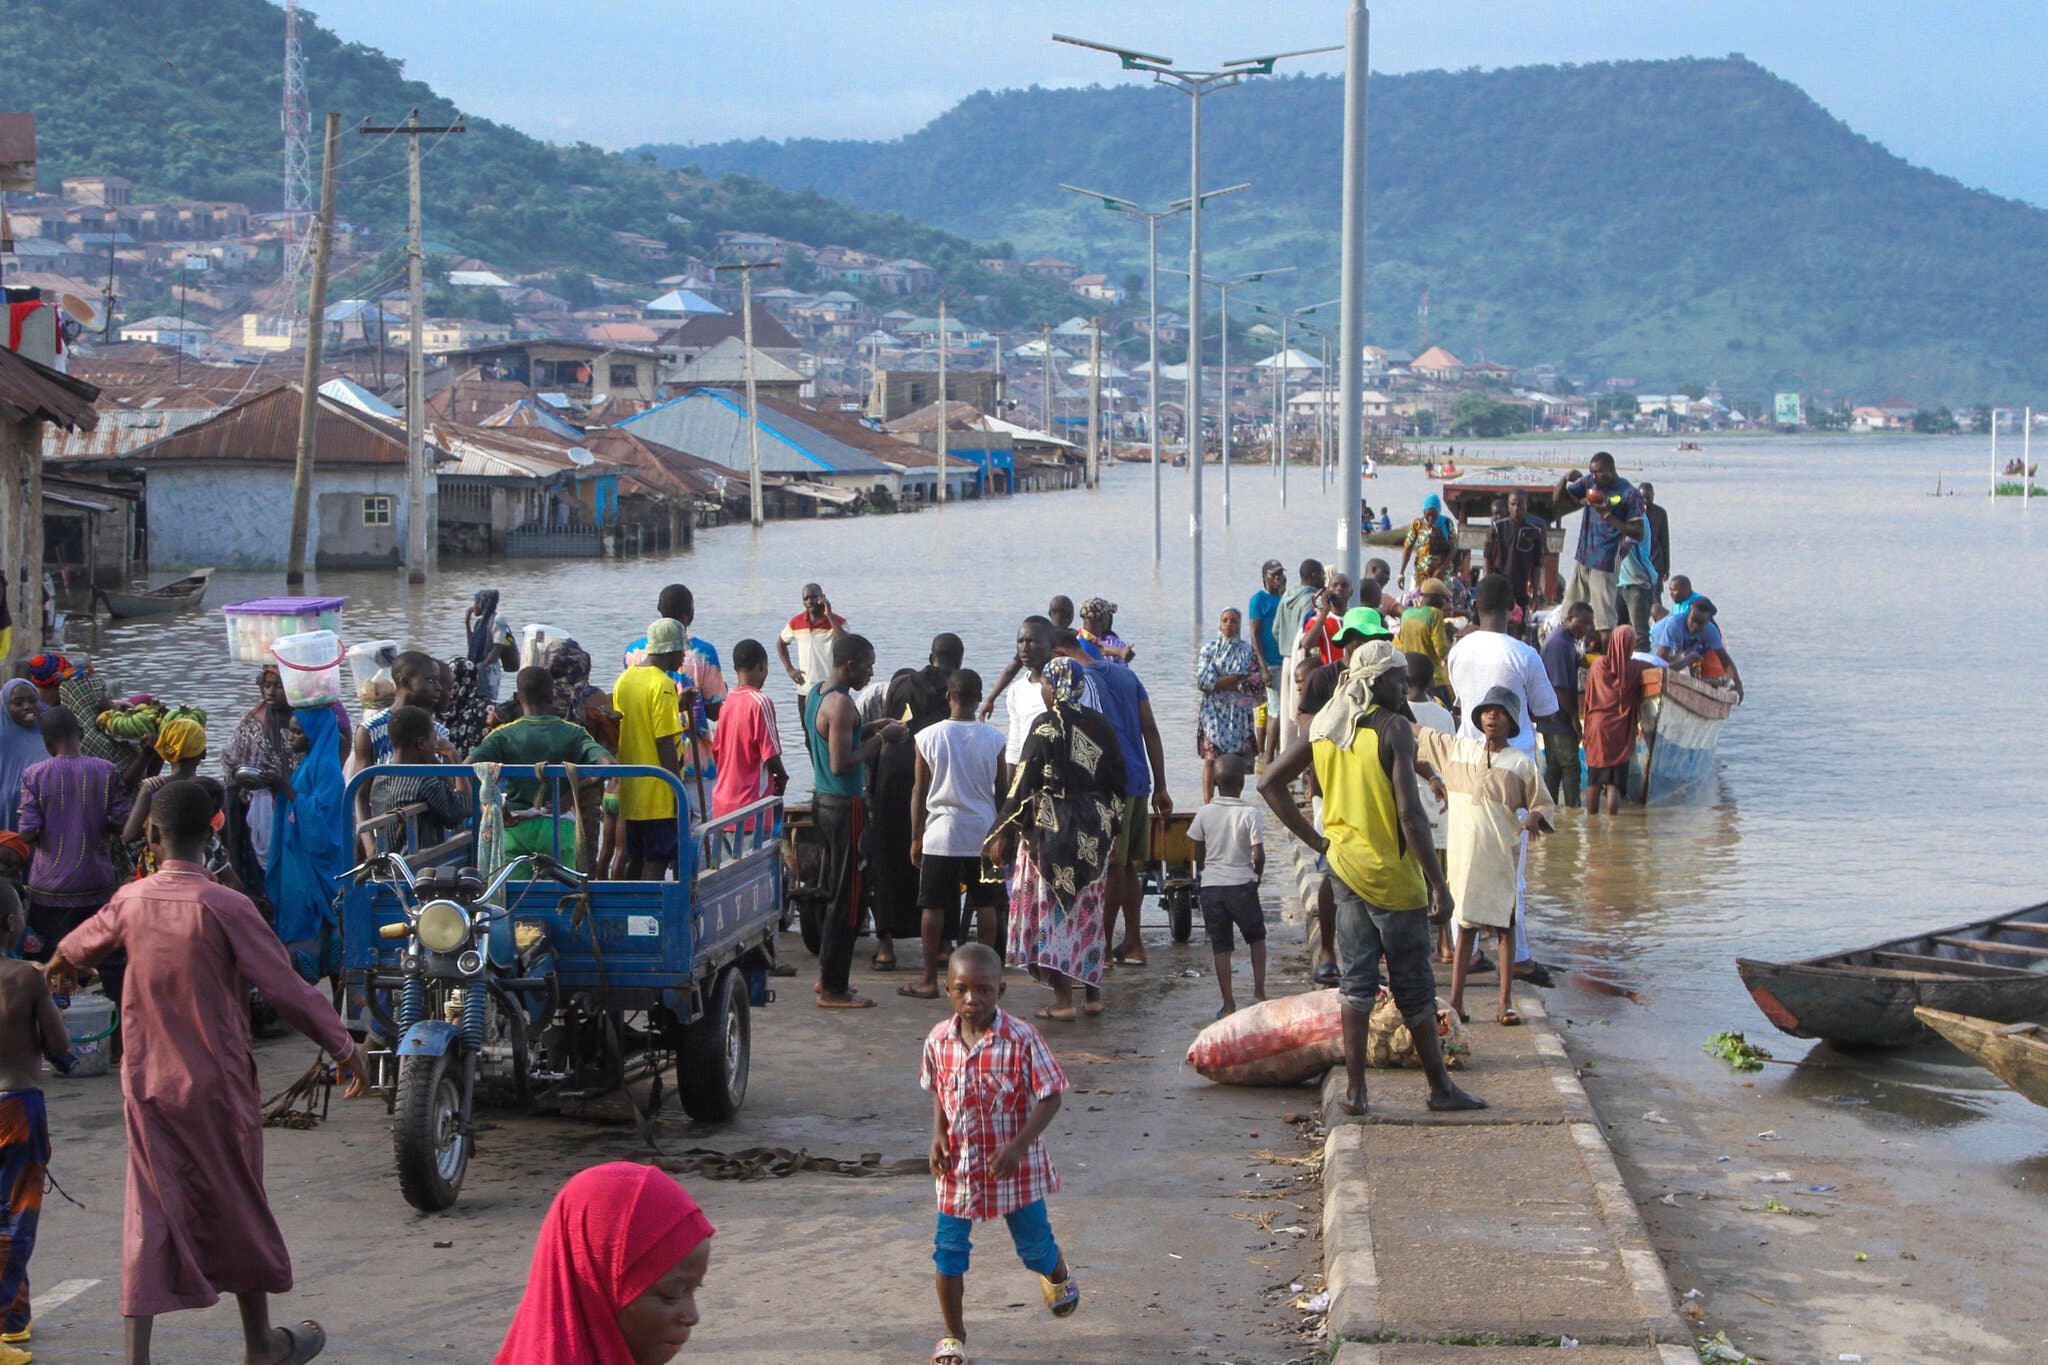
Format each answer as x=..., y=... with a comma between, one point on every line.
x=1486, y=1237
x=1188, y=1209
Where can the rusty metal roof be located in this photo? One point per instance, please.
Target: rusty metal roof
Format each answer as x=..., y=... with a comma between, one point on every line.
x=855, y=433
x=30, y=392
x=664, y=471
x=265, y=430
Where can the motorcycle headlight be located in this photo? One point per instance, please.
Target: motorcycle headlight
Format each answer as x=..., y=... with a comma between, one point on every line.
x=442, y=926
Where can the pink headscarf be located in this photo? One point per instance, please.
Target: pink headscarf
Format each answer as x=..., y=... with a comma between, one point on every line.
x=612, y=1231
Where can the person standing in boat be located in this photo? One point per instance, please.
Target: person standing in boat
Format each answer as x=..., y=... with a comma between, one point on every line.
x=1614, y=512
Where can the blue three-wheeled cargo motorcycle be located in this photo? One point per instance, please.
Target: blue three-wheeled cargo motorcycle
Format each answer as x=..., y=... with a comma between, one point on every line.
x=532, y=974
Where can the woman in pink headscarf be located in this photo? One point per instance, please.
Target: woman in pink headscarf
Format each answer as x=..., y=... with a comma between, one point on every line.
x=615, y=1273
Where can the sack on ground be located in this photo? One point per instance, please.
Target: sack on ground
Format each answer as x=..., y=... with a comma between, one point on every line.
x=1275, y=1042
x=1390, y=1044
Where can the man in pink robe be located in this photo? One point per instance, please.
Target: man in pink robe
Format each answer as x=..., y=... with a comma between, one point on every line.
x=197, y=1223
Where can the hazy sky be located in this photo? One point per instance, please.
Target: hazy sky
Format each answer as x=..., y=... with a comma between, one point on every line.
x=1960, y=86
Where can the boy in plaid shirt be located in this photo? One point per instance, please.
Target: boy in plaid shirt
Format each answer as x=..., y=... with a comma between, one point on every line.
x=995, y=1089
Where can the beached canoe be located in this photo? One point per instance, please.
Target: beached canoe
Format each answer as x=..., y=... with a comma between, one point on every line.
x=183, y=595
x=2015, y=1053
x=1679, y=721
x=1995, y=969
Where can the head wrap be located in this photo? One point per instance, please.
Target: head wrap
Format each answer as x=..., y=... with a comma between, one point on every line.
x=181, y=737
x=1065, y=677
x=1097, y=606
x=611, y=1233
x=483, y=629
x=47, y=670
x=1432, y=503
x=21, y=747
x=1338, y=721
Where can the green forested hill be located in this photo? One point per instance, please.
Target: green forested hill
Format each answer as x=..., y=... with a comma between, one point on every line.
x=182, y=97
x=1676, y=221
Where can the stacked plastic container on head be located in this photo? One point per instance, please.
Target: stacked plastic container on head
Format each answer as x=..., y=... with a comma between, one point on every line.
x=299, y=635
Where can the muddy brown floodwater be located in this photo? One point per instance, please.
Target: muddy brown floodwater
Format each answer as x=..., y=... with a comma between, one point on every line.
x=1886, y=774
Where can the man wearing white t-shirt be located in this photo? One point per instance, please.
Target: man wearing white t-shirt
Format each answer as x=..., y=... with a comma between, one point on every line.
x=952, y=809
x=1486, y=657
x=1023, y=702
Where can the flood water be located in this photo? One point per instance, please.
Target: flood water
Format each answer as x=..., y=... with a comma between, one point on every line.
x=1887, y=773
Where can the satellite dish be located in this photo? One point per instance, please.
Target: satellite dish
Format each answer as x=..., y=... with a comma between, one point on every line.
x=581, y=457
x=79, y=309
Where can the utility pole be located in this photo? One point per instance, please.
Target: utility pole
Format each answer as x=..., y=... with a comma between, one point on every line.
x=1351, y=337
x=1280, y=412
x=1095, y=403
x=1194, y=84
x=421, y=540
x=747, y=268
x=309, y=391
x=1046, y=355
x=107, y=328
x=944, y=410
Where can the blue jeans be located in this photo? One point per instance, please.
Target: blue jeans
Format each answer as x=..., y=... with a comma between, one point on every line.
x=1364, y=932
x=1030, y=1230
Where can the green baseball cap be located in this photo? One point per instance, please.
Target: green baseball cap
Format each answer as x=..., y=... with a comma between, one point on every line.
x=1365, y=623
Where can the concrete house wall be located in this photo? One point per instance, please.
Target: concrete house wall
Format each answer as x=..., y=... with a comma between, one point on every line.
x=238, y=516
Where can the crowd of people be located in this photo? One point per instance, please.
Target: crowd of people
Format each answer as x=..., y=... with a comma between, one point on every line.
x=1391, y=725
x=1423, y=699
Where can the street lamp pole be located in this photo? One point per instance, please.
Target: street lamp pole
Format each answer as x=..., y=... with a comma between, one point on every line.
x=1223, y=288
x=1279, y=432
x=1351, y=345
x=1193, y=84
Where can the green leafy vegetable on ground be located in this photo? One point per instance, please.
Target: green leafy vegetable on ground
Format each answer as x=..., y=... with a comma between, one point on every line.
x=1740, y=1054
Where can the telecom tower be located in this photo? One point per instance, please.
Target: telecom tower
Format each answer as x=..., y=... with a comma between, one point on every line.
x=297, y=120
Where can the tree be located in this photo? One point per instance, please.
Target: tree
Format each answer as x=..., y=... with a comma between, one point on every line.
x=1425, y=422
x=1935, y=422
x=575, y=286
x=1478, y=415
x=1836, y=418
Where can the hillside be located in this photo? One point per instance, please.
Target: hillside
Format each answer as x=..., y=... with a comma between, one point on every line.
x=182, y=97
x=1677, y=221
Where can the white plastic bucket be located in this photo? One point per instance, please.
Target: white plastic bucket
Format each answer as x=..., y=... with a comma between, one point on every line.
x=368, y=659
x=88, y=1015
x=310, y=666
x=534, y=642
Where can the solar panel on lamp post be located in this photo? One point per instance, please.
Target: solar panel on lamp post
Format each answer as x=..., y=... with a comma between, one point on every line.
x=1194, y=84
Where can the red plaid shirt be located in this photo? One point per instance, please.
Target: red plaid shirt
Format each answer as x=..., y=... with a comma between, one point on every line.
x=986, y=1093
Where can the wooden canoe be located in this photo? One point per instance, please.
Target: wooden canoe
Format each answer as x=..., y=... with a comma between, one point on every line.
x=1993, y=969
x=183, y=595
x=2015, y=1053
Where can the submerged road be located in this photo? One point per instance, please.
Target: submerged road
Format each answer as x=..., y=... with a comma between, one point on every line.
x=1177, y=1210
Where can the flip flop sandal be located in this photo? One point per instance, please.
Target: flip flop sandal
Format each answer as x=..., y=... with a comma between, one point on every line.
x=950, y=1351
x=1508, y=1019
x=1329, y=974
x=1062, y=1298
x=909, y=991
x=1054, y=1016
x=854, y=1002
x=303, y=1342
x=881, y=966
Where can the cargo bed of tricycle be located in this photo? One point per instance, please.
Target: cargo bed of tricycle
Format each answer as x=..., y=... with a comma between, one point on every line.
x=649, y=943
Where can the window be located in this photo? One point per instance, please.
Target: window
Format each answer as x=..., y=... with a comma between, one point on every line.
x=625, y=376
x=377, y=511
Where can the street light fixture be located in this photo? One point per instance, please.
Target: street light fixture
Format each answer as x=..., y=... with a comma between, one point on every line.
x=1153, y=218
x=1280, y=384
x=1193, y=84
x=1223, y=288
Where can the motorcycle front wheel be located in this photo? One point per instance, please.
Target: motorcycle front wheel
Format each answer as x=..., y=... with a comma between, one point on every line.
x=427, y=1139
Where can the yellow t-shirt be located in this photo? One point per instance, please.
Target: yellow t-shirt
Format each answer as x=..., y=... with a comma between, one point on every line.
x=645, y=699
x=1363, y=825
